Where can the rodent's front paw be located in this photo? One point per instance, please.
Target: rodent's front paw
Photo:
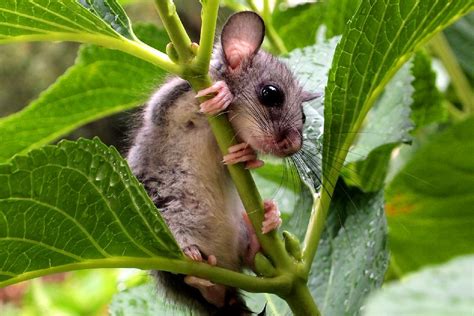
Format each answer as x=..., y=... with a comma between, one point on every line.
x=242, y=153
x=217, y=103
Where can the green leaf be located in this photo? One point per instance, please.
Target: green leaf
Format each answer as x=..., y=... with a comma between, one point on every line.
x=369, y=174
x=101, y=82
x=337, y=15
x=144, y=300
x=427, y=107
x=289, y=22
x=76, y=205
x=388, y=122
x=76, y=20
x=441, y=290
x=274, y=305
x=379, y=39
x=429, y=202
x=387, y=125
x=352, y=255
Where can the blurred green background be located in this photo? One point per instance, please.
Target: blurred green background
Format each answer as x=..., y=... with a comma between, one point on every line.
x=26, y=69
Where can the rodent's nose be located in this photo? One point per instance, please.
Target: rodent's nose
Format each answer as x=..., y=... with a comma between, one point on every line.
x=289, y=142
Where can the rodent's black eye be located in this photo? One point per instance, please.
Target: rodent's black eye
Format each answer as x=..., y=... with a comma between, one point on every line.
x=271, y=96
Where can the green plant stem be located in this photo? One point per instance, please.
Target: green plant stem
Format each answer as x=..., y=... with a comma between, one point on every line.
x=189, y=267
x=461, y=85
x=175, y=29
x=301, y=301
x=134, y=48
x=210, y=9
x=316, y=224
x=455, y=113
x=275, y=40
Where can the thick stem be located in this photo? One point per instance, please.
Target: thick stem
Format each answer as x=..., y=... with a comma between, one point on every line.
x=300, y=301
x=461, y=85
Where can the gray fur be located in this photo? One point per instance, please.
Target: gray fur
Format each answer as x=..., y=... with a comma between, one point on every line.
x=179, y=164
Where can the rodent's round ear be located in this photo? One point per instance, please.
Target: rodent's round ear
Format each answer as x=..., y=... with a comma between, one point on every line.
x=241, y=37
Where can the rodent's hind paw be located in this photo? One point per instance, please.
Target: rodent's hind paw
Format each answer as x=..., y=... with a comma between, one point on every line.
x=193, y=252
x=242, y=153
x=272, y=219
x=213, y=293
x=219, y=102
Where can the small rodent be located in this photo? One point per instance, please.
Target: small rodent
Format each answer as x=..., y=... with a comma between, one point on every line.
x=175, y=156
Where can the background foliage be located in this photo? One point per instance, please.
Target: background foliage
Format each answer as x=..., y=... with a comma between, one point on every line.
x=414, y=149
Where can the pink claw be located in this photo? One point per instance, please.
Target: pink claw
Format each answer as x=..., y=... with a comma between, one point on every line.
x=193, y=253
x=219, y=102
x=272, y=218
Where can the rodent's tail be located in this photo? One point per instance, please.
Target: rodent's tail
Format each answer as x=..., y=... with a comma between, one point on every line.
x=177, y=290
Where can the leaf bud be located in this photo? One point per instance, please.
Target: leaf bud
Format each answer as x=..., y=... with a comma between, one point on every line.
x=292, y=245
x=263, y=267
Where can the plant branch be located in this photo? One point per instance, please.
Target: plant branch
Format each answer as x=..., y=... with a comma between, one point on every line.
x=219, y=275
x=134, y=48
x=209, y=13
x=301, y=301
x=176, y=31
x=461, y=85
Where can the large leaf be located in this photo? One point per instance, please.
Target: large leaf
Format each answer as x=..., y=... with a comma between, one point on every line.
x=379, y=39
x=388, y=122
x=441, y=290
x=75, y=205
x=77, y=20
x=430, y=201
x=351, y=261
x=102, y=82
x=387, y=125
x=352, y=255
x=410, y=101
